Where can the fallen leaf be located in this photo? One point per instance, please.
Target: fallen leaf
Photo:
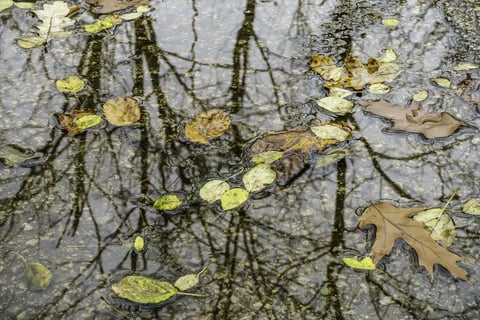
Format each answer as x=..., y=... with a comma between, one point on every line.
x=139, y=244
x=109, y=6
x=122, y=111
x=388, y=56
x=420, y=95
x=144, y=290
x=207, y=126
x=472, y=206
x=77, y=121
x=390, y=22
x=167, y=202
x=339, y=92
x=189, y=281
x=213, y=190
x=331, y=132
x=12, y=155
x=439, y=224
x=413, y=119
x=72, y=84
x=99, y=26
x=469, y=91
x=335, y=104
x=38, y=275
x=331, y=157
x=25, y=5
x=392, y=222
x=463, y=66
x=443, y=82
x=233, y=198
x=289, y=167
x=54, y=19
x=378, y=88
x=266, y=157
x=366, y=263
x=30, y=42
x=5, y=4
x=258, y=177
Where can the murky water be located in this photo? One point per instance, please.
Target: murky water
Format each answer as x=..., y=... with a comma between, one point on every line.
x=79, y=204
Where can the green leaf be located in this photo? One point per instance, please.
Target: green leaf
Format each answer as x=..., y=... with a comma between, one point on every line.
x=141, y=289
x=390, y=22
x=233, y=198
x=188, y=281
x=98, y=26
x=12, y=155
x=72, y=84
x=365, y=264
x=38, y=275
x=213, y=190
x=258, y=177
x=335, y=104
x=266, y=157
x=167, y=202
x=330, y=132
x=139, y=244
x=472, y=206
x=30, y=42
x=439, y=223
x=331, y=157
x=87, y=121
x=5, y=4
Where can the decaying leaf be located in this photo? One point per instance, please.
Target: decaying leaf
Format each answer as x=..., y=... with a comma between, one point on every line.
x=213, y=190
x=469, y=91
x=167, y=202
x=472, y=206
x=289, y=166
x=266, y=157
x=109, y=6
x=233, y=198
x=122, y=111
x=207, y=126
x=258, y=177
x=38, y=275
x=144, y=290
x=103, y=24
x=390, y=22
x=331, y=157
x=439, y=224
x=189, y=281
x=12, y=155
x=392, y=222
x=72, y=84
x=413, y=119
x=366, y=263
x=335, y=104
x=139, y=244
x=77, y=121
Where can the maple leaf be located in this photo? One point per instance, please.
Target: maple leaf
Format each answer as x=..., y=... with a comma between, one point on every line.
x=413, y=119
x=393, y=223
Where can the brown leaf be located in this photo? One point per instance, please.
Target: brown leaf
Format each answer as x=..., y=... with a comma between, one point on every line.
x=392, y=223
x=413, y=119
x=470, y=92
x=109, y=6
x=207, y=126
x=122, y=111
x=288, y=167
x=74, y=121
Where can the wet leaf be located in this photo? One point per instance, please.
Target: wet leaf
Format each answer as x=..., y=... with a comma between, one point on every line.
x=13, y=155
x=233, y=198
x=167, y=202
x=331, y=132
x=339, y=92
x=213, y=190
x=30, y=42
x=38, y=275
x=122, y=111
x=207, y=126
x=463, y=66
x=109, y=6
x=443, y=82
x=472, y=206
x=392, y=222
x=25, y=5
x=144, y=290
x=188, y=281
x=439, y=224
x=420, y=95
x=365, y=264
x=266, y=157
x=54, y=19
x=390, y=22
x=413, y=119
x=335, y=104
x=331, y=157
x=258, y=177
x=98, y=26
x=139, y=244
x=78, y=121
x=131, y=16
x=469, y=92
x=378, y=88
x=388, y=56
x=289, y=167
x=5, y=4
x=72, y=84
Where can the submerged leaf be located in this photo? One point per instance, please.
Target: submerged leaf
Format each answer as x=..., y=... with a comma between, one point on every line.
x=13, y=155
x=167, y=202
x=233, y=198
x=439, y=224
x=207, y=126
x=72, y=84
x=365, y=264
x=144, y=290
x=258, y=177
x=122, y=111
x=266, y=157
x=213, y=190
x=472, y=206
x=331, y=157
x=38, y=275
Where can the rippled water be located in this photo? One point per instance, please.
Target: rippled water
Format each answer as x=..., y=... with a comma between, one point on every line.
x=78, y=207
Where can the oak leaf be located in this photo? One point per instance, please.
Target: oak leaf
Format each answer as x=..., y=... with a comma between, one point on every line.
x=414, y=119
x=392, y=222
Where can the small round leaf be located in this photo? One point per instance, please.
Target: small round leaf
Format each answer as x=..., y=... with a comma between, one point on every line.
x=233, y=198
x=167, y=202
x=213, y=190
x=258, y=177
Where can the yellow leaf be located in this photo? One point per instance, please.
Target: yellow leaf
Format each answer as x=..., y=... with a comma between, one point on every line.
x=122, y=111
x=87, y=121
x=258, y=177
x=139, y=244
x=420, y=95
x=390, y=22
x=388, y=56
x=462, y=66
x=77, y=121
x=332, y=132
x=38, y=275
x=443, y=82
x=339, y=92
x=378, y=88
x=30, y=42
x=365, y=264
x=167, y=202
x=472, y=206
x=213, y=190
x=72, y=84
x=335, y=104
x=207, y=126
x=233, y=198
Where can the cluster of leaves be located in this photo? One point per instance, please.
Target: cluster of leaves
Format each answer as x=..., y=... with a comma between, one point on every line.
x=120, y=111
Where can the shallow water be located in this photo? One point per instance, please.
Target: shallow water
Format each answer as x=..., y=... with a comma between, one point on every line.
x=78, y=206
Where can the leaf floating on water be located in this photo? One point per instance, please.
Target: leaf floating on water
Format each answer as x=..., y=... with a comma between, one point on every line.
x=54, y=19
x=365, y=264
x=13, y=155
x=378, y=88
x=144, y=290
x=167, y=202
x=25, y=5
x=443, y=82
x=207, y=126
x=122, y=111
x=38, y=275
x=72, y=84
x=109, y=6
x=139, y=244
x=472, y=206
x=331, y=157
x=98, y=26
x=213, y=190
x=388, y=56
x=390, y=22
x=258, y=177
x=335, y=104
x=233, y=198
x=188, y=281
x=266, y=157
x=463, y=66
x=30, y=42
x=5, y=4
x=331, y=132
x=420, y=95
x=339, y=92
x=440, y=225
x=78, y=121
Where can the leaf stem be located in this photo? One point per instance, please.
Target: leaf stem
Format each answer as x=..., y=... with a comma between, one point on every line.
x=20, y=256
x=444, y=209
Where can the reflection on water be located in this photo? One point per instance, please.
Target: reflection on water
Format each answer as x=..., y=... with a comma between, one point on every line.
x=79, y=211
